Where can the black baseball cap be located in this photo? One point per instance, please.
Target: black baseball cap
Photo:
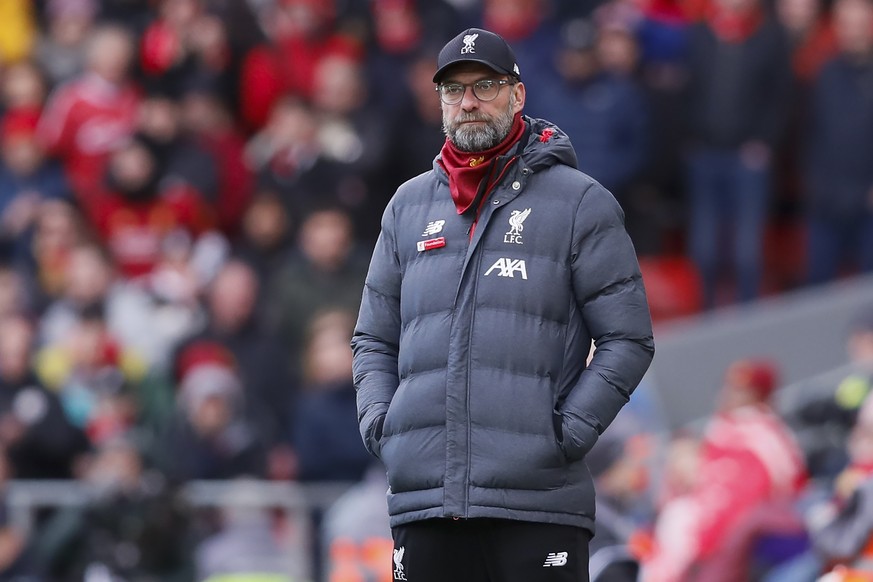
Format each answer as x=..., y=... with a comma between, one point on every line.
x=478, y=46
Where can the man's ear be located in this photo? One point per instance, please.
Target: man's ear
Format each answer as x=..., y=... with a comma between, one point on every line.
x=520, y=95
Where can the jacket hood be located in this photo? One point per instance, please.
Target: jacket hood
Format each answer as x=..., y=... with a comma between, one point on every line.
x=545, y=145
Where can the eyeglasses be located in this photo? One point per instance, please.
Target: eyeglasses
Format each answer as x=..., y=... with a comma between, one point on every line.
x=483, y=90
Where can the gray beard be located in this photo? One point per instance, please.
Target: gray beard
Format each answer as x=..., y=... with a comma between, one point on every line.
x=479, y=138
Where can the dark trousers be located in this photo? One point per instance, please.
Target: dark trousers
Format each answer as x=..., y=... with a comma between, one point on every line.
x=489, y=550
x=831, y=243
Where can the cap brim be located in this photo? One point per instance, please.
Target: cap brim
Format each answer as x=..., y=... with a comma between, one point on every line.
x=441, y=71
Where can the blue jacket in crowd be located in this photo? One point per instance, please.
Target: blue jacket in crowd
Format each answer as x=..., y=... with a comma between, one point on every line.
x=839, y=166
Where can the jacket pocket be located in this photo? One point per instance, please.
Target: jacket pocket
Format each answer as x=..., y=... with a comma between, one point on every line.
x=509, y=460
x=414, y=460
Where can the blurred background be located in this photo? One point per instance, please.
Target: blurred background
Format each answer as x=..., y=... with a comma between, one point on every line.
x=189, y=194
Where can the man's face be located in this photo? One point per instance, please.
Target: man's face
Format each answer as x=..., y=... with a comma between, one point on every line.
x=474, y=125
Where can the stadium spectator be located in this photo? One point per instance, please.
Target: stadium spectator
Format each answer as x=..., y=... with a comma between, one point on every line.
x=13, y=296
x=617, y=44
x=34, y=433
x=27, y=177
x=136, y=217
x=235, y=329
x=88, y=279
x=355, y=133
x=843, y=541
x=184, y=162
x=87, y=118
x=23, y=88
x=739, y=81
x=824, y=420
x=265, y=240
x=808, y=26
x=60, y=51
x=290, y=158
x=838, y=514
x=749, y=467
x=401, y=31
x=94, y=377
x=533, y=31
x=839, y=176
x=185, y=42
x=327, y=271
x=209, y=435
x=662, y=36
x=147, y=323
x=58, y=227
x=301, y=33
x=208, y=121
x=811, y=34
x=133, y=526
x=324, y=433
x=603, y=110
x=421, y=118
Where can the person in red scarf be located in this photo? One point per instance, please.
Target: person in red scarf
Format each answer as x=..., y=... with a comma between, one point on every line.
x=750, y=466
x=493, y=274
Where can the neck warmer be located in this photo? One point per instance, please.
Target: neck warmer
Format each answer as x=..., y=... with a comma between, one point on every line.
x=466, y=170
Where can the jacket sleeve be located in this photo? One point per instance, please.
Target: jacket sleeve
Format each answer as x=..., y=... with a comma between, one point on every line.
x=609, y=292
x=376, y=340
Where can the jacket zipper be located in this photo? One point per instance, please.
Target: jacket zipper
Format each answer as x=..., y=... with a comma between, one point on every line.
x=476, y=267
x=469, y=465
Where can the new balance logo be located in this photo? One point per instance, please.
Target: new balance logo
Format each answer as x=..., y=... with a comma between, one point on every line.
x=555, y=559
x=433, y=227
x=508, y=268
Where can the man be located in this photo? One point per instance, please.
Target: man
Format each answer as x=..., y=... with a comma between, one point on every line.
x=492, y=274
x=839, y=164
x=738, y=88
x=86, y=119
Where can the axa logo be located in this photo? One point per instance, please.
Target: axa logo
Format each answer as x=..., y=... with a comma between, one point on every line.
x=433, y=227
x=516, y=225
x=469, y=43
x=399, y=573
x=508, y=268
x=555, y=559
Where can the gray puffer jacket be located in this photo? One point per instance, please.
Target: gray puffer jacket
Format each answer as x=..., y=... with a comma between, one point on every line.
x=470, y=357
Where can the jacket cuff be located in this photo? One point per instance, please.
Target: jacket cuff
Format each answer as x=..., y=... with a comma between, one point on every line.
x=578, y=439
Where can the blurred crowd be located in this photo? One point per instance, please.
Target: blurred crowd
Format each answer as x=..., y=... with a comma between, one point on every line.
x=760, y=491
x=189, y=190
